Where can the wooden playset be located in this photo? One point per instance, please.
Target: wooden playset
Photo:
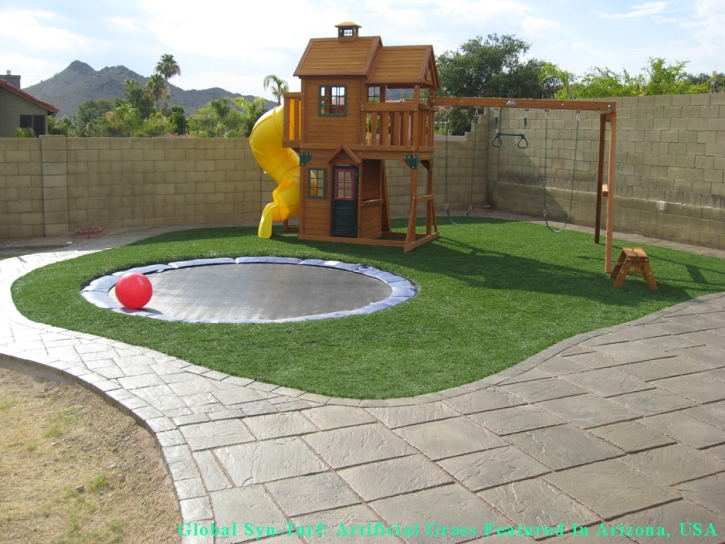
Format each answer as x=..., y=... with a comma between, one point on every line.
x=344, y=129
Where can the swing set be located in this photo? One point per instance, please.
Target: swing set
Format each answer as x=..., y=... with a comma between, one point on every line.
x=607, y=115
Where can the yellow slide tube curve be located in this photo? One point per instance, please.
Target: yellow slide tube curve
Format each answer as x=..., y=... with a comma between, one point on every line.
x=281, y=164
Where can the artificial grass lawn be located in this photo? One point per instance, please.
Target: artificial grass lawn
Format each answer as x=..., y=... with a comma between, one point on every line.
x=492, y=293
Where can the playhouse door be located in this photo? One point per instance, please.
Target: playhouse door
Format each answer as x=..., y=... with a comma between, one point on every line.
x=344, y=202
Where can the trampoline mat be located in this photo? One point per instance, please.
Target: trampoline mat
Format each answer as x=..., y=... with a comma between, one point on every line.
x=259, y=292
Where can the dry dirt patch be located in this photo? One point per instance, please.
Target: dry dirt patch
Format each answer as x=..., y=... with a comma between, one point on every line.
x=73, y=469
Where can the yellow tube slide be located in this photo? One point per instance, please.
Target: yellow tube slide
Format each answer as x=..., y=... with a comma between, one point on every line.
x=281, y=164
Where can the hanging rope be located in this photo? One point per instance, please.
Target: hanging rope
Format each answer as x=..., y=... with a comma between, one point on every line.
x=473, y=170
x=576, y=145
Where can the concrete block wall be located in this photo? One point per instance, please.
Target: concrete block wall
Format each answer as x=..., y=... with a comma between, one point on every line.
x=669, y=173
x=21, y=188
x=131, y=182
x=54, y=184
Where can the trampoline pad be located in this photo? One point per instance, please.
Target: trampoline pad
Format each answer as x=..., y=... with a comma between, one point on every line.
x=246, y=290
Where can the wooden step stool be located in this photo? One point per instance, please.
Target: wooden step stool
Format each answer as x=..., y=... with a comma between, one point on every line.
x=633, y=261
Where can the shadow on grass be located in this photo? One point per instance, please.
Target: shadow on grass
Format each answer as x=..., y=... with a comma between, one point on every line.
x=566, y=264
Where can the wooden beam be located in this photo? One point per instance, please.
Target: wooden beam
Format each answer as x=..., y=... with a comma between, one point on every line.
x=430, y=206
x=600, y=176
x=412, y=218
x=385, y=220
x=531, y=103
x=401, y=242
x=610, y=192
x=411, y=246
x=360, y=241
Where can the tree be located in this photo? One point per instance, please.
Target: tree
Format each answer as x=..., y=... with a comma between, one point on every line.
x=91, y=117
x=490, y=68
x=658, y=78
x=139, y=97
x=221, y=107
x=125, y=120
x=62, y=126
x=156, y=85
x=177, y=119
x=167, y=67
x=156, y=125
x=252, y=112
x=559, y=80
x=279, y=86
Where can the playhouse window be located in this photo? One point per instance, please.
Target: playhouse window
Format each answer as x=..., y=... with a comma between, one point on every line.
x=332, y=100
x=317, y=183
x=374, y=94
x=345, y=185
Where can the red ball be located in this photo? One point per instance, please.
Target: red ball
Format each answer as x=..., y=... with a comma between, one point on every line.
x=134, y=290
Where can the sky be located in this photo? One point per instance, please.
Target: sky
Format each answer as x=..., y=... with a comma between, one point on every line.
x=234, y=45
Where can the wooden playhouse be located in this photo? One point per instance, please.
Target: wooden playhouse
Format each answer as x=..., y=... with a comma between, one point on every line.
x=344, y=130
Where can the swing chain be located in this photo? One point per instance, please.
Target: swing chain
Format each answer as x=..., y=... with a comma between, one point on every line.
x=571, y=195
x=473, y=164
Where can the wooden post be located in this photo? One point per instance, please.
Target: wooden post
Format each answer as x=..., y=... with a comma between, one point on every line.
x=610, y=191
x=410, y=236
x=385, y=220
x=429, y=211
x=600, y=175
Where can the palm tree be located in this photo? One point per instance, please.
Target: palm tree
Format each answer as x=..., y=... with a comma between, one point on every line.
x=167, y=67
x=552, y=73
x=157, y=87
x=279, y=86
x=221, y=107
x=252, y=111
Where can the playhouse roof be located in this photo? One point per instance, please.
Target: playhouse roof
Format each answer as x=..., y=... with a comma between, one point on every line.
x=397, y=66
x=334, y=57
x=405, y=65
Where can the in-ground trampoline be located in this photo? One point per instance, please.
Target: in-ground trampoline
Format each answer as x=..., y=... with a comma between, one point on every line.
x=257, y=290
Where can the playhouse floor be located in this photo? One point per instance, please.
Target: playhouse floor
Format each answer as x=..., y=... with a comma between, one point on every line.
x=617, y=427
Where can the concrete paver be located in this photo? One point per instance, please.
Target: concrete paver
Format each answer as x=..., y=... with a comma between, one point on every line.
x=563, y=446
x=492, y=468
x=312, y=493
x=610, y=488
x=394, y=477
x=631, y=436
x=707, y=492
x=589, y=410
x=442, y=511
x=268, y=460
x=620, y=426
x=683, y=428
x=674, y=520
x=534, y=503
x=674, y=464
x=447, y=438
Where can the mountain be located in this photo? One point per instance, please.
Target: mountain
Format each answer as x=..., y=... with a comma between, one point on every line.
x=79, y=82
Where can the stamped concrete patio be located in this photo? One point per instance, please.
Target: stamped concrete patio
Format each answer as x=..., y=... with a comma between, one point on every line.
x=623, y=427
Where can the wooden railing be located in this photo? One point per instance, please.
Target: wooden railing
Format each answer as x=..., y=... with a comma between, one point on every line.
x=397, y=124
x=292, y=119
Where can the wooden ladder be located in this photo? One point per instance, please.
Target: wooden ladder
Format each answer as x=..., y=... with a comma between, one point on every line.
x=633, y=261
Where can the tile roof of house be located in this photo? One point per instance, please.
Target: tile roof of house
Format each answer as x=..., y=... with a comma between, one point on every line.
x=29, y=97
